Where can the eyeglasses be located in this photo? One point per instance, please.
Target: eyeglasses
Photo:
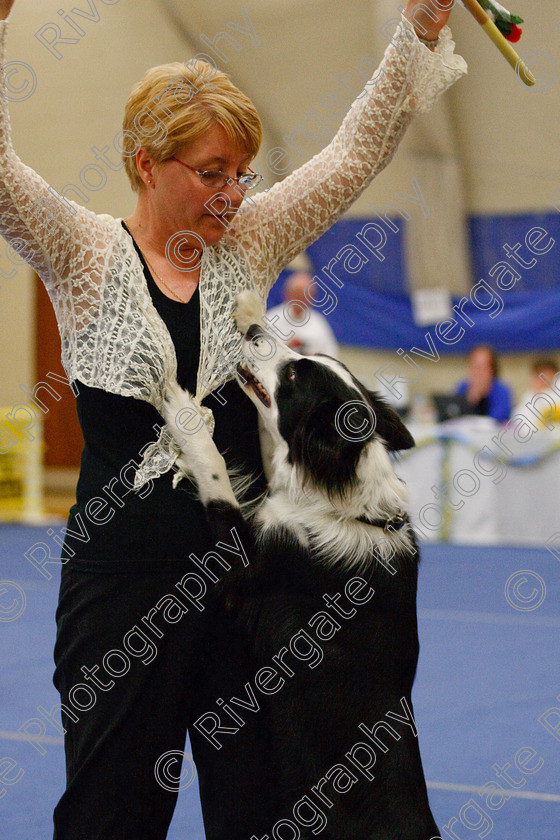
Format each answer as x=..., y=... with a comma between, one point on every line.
x=216, y=179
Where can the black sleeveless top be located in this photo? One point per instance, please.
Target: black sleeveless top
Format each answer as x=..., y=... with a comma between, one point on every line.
x=110, y=521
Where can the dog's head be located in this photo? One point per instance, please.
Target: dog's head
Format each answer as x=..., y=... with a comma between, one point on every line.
x=314, y=404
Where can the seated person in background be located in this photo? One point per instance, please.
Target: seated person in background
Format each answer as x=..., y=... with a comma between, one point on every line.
x=544, y=369
x=485, y=393
x=307, y=331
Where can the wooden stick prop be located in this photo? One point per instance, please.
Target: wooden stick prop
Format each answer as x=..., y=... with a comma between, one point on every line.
x=496, y=36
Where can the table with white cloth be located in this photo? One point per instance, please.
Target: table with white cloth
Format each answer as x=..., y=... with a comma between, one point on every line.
x=474, y=481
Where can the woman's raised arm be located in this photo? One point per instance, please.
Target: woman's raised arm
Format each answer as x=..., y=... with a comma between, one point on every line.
x=280, y=223
x=49, y=232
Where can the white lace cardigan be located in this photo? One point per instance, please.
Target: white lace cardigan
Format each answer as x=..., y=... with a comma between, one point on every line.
x=112, y=336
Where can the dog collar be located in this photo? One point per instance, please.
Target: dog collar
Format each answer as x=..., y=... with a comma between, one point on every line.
x=395, y=523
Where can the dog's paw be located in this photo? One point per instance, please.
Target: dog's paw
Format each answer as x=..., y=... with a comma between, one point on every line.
x=176, y=399
x=198, y=457
x=181, y=413
x=248, y=310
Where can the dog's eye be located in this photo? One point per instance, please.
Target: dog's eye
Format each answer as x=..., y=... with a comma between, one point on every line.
x=292, y=372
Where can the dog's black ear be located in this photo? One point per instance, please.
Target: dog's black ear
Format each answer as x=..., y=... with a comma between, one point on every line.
x=328, y=456
x=389, y=425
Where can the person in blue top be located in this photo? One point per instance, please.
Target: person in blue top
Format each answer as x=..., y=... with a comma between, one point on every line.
x=486, y=394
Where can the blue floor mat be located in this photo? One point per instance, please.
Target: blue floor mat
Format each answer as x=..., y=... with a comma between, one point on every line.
x=488, y=672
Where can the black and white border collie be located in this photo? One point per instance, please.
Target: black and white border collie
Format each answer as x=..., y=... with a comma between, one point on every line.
x=332, y=531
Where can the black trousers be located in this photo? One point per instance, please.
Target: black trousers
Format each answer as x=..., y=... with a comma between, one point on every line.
x=131, y=688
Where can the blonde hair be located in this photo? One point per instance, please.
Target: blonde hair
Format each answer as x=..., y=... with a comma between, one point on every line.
x=175, y=104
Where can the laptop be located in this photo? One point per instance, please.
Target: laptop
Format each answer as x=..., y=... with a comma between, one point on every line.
x=451, y=406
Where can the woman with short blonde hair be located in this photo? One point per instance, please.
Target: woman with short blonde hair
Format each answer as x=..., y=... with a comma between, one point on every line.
x=192, y=98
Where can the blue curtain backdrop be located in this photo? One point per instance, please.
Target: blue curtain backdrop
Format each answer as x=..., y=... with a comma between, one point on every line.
x=373, y=307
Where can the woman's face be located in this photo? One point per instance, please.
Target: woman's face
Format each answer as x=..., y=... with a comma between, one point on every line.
x=184, y=203
x=480, y=367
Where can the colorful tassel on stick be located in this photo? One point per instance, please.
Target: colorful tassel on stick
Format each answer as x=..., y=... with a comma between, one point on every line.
x=504, y=18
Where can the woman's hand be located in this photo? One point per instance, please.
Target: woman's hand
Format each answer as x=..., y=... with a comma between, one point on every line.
x=428, y=16
x=5, y=8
